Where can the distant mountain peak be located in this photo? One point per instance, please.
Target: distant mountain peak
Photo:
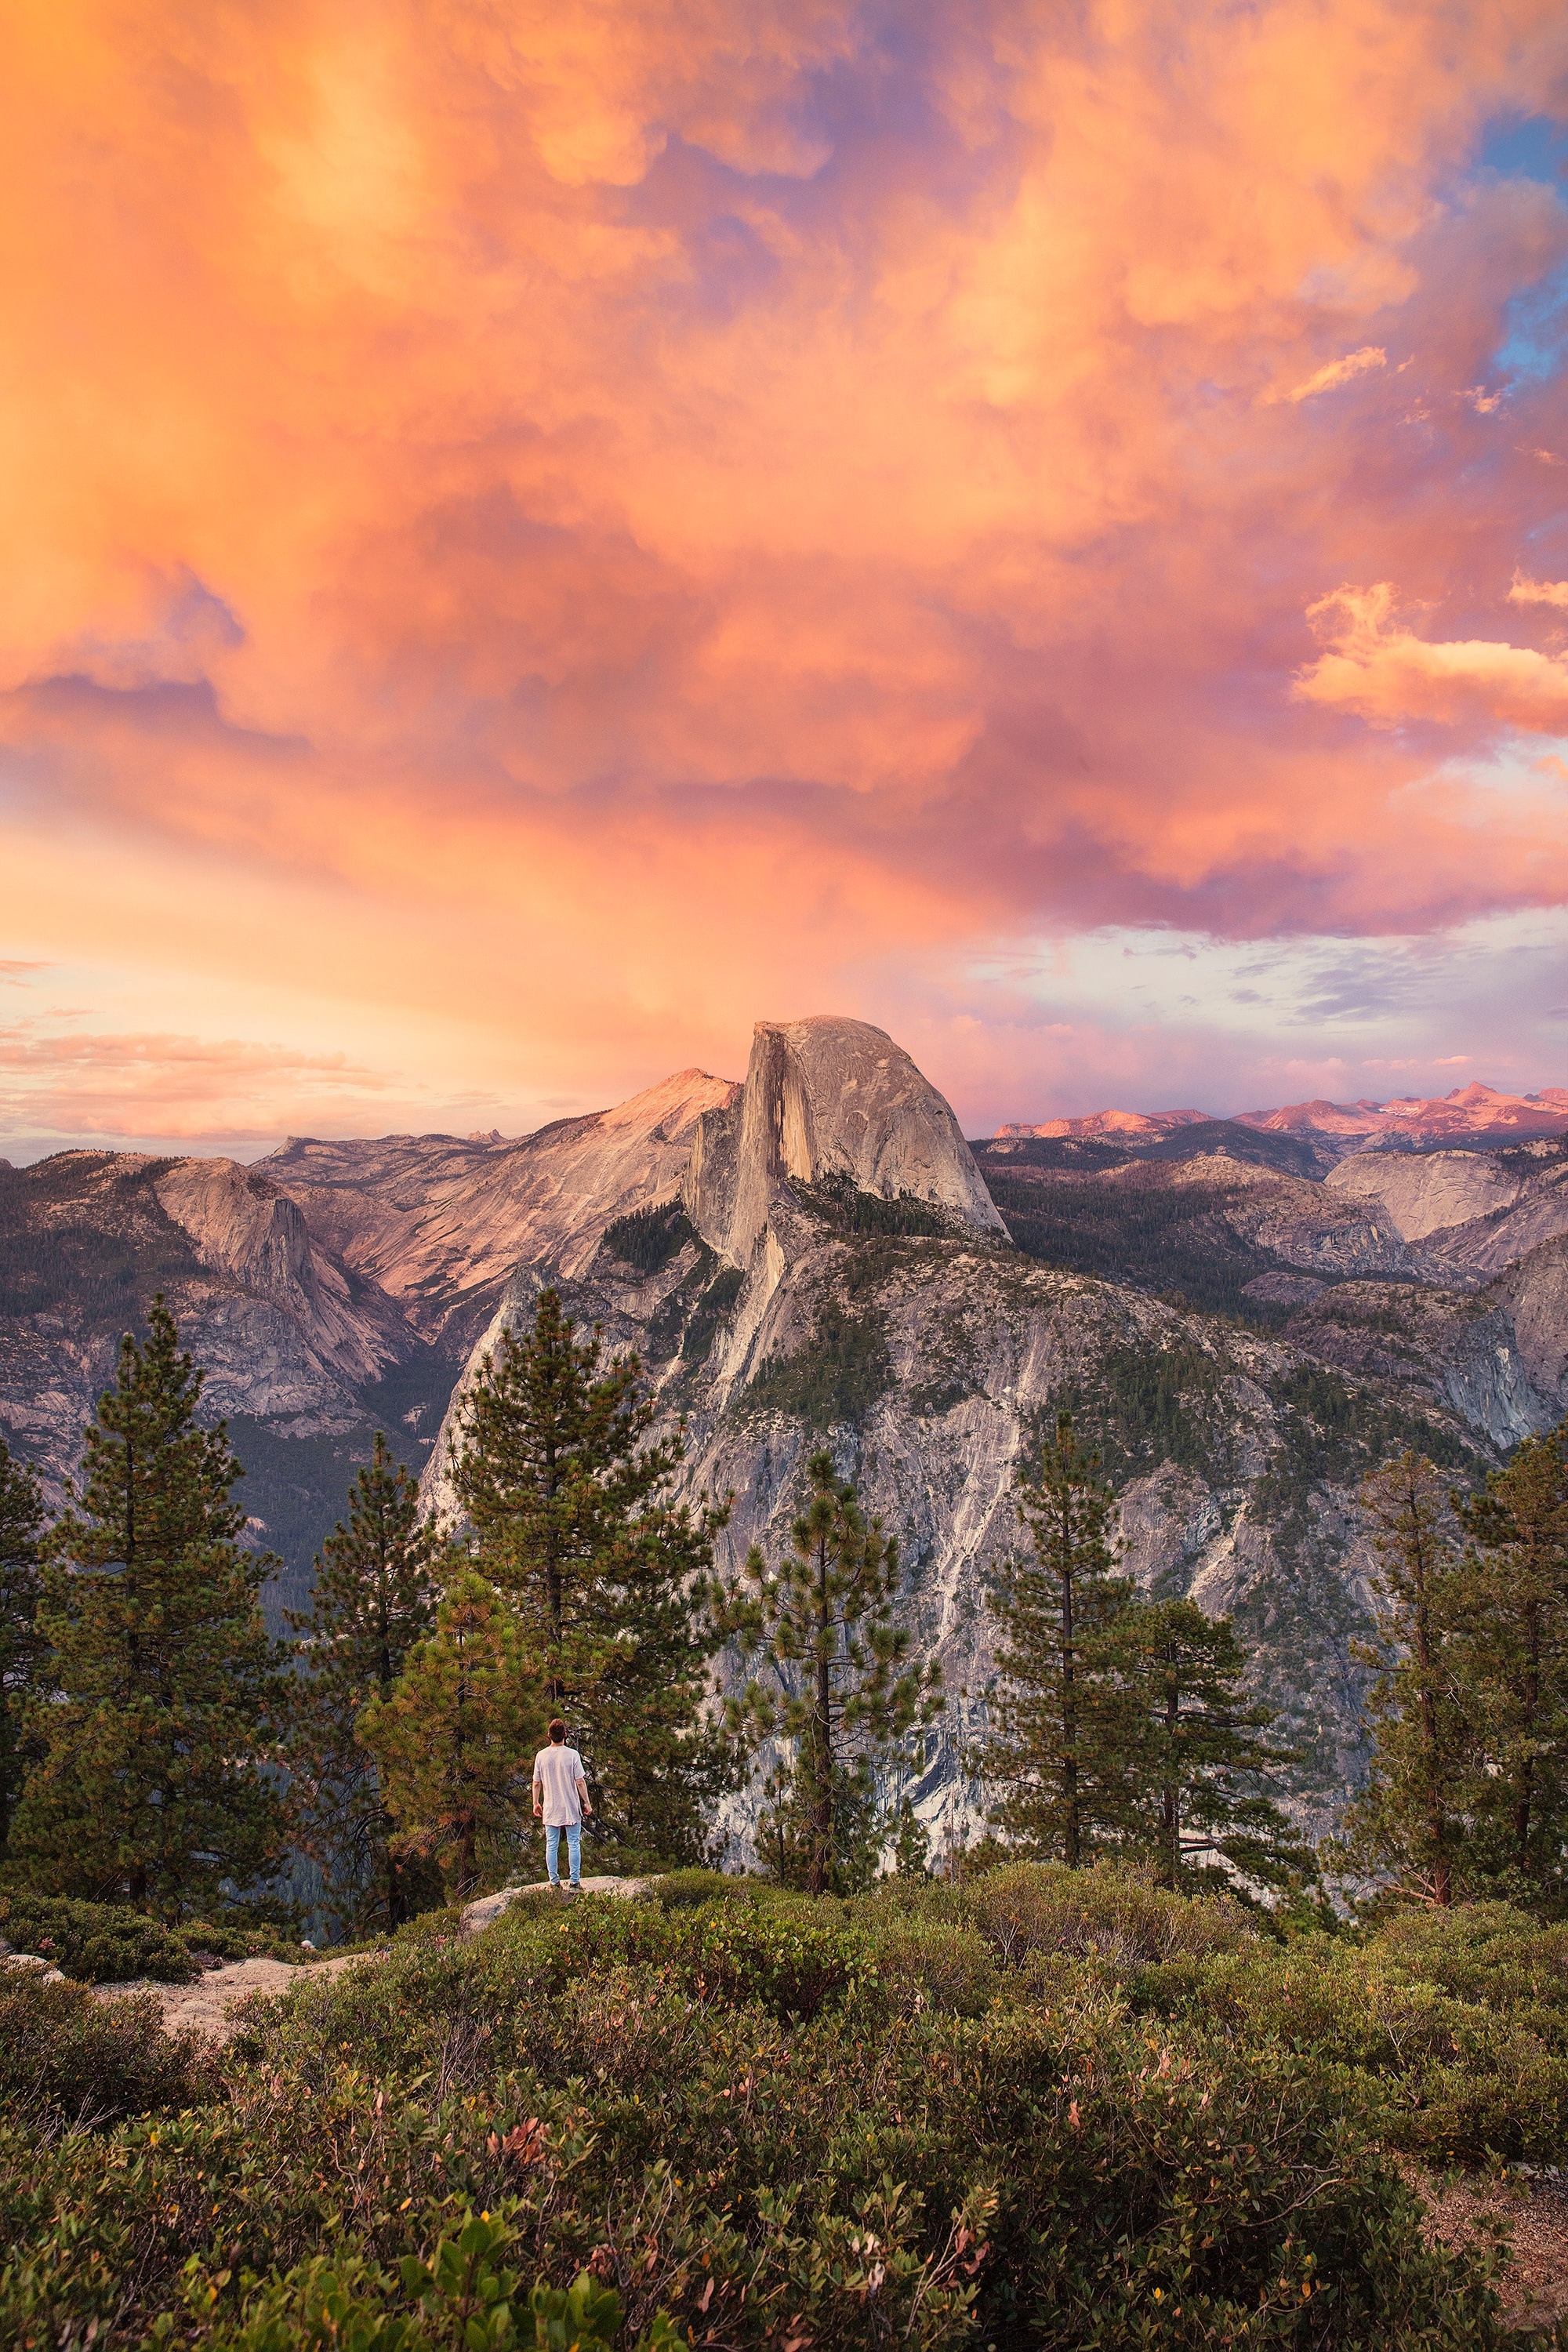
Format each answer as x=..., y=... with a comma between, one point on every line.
x=1477, y=1112
x=1111, y=1123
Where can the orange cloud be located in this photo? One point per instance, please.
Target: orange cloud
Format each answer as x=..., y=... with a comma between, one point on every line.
x=1333, y=374
x=1387, y=674
x=1538, y=592
x=549, y=531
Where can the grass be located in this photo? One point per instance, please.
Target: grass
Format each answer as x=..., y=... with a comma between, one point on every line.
x=1043, y=2109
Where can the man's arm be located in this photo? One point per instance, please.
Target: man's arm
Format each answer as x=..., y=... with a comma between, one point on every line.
x=538, y=1794
x=582, y=1792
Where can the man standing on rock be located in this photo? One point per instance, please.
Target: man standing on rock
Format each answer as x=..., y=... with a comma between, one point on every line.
x=559, y=1801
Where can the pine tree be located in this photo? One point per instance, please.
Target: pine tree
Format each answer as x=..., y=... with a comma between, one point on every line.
x=1407, y=1828
x=22, y=1649
x=456, y=1736
x=1516, y=1594
x=152, y=1787
x=1066, y=1731
x=846, y=1692
x=1208, y=1759
x=562, y=1486
x=374, y=1597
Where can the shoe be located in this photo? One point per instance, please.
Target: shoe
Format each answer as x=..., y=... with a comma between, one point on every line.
x=575, y=1887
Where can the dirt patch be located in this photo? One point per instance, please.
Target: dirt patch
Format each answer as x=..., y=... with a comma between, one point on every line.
x=206, y=2006
x=1533, y=2284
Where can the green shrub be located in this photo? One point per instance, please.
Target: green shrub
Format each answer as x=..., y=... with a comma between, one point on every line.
x=442, y=1926
x=1105, y=1913
x=1484, y=1952
x=229, y=1941
x=680, y=1890
x=66, y=2059
x=1442, y=2077
x=96, y=1943
x=923, y=1963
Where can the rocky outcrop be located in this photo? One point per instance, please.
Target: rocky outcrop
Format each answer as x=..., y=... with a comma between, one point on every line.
x=1420, y=1194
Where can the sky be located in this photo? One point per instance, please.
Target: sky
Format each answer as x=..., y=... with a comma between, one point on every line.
x=537, y=537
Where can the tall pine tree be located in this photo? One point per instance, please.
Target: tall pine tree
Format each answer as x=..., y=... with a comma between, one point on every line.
x=1407, y=1829
x=1206, y=1764
x=152, y=1787
x=374, y=1600
x=1516, y=1600
x=562, y=1484
x=1066, y=1729
x=843, y=1690
x=455, y=1739
x=22, y=1649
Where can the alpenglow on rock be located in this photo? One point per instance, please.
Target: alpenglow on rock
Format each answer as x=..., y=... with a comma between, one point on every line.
x=828, y=1098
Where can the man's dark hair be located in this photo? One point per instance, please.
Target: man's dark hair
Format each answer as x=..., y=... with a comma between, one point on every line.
x=558, y=1731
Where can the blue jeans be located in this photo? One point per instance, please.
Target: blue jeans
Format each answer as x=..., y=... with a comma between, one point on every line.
x=553, y=1851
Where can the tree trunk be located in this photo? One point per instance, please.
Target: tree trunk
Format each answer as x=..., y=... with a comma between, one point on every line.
x=1171, y=1801
x=1071, y=1835
x=821, y=1794
x=1437, y=1827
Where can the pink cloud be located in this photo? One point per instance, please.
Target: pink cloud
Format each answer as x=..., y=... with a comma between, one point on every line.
x=1335, y=372
x=1384, y=672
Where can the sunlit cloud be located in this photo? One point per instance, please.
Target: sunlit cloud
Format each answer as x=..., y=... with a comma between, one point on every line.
x=1380, y=668
x=1538, y=592
x=1337, y=372
x=537, y=538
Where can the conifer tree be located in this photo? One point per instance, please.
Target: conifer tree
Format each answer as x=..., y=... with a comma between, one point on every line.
x=1407, y=1828
x=1066, y=1731
x=165, y=1691
x=1515, y=1593
x=843, y=1690
x=562, y=1484
x=456, y=1736
x=1209, y=1760
x=374, y=1597
x=22, y=1649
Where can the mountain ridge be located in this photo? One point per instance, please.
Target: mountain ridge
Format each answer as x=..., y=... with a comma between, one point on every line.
x=1481, y=1114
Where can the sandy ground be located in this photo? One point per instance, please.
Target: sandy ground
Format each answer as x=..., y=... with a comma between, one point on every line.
x=206, y=2006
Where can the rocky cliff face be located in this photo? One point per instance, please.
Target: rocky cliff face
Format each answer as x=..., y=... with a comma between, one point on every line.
x=828, y=1098
x=836, y=1280
x=439, y=1224
x=329, y=1290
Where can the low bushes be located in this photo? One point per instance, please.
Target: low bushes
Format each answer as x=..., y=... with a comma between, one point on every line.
x=1446, y=2078
x=1035, y=2112
x=68, y=2060
x=755, y=2124
x=105, y=1943
x=96, y=1943
x=681, y=1890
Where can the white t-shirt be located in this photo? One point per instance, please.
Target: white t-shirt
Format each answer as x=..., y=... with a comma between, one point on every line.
x=557, y=1771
